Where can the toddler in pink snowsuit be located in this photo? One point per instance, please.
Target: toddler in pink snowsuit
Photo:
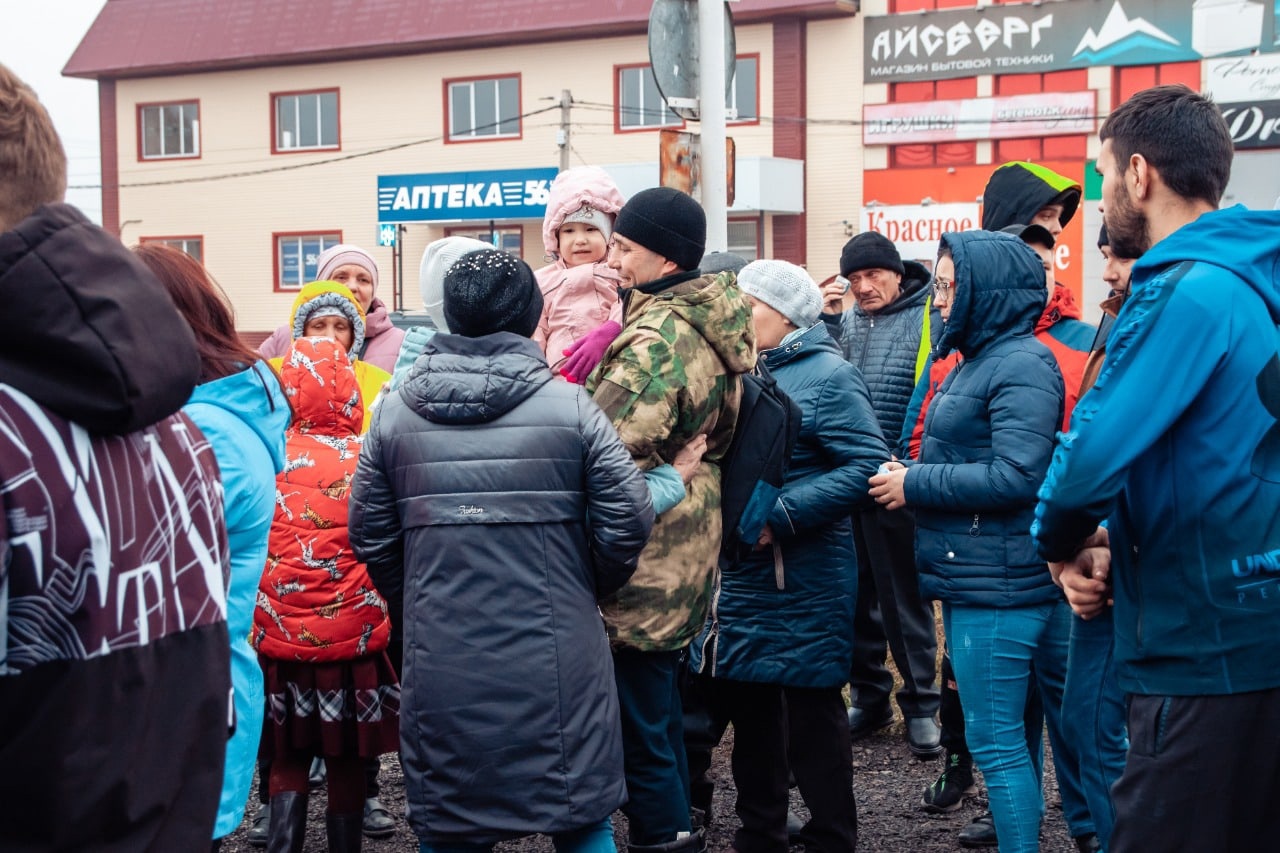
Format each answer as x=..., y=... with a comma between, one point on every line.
x=581, y=311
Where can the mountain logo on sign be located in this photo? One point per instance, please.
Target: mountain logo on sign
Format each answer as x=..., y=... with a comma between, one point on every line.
x=1120, y=35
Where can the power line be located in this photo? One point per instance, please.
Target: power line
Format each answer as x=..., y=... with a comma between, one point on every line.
x=834, y=122
x=631, y=112
x=296, y=166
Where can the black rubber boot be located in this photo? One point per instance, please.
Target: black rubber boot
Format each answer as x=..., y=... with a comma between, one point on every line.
x=345, y=832
x=288, y=829
x=694, y=842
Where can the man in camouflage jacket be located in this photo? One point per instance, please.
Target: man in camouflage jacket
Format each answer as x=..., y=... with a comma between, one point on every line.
x=670, y=376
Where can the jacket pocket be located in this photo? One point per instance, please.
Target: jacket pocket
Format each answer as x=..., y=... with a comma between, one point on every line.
x=1148, y=723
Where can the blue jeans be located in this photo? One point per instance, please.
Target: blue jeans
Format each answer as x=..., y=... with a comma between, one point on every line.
x=1051, y=673
x=1096, y=724
x=993, y=652
x=591, y=839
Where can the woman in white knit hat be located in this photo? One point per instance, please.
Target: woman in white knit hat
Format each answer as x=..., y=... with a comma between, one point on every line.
x=782, y=619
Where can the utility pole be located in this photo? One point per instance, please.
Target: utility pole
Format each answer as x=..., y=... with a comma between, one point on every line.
x=711, y=112
x=562, y=138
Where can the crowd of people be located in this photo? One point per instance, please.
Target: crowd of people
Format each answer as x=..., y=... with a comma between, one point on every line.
x=493, y=544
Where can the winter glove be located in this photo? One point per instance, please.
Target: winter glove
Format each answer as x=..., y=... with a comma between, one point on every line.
x=587, y=351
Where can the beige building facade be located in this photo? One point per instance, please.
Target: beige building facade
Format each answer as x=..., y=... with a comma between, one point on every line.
x=257, y=159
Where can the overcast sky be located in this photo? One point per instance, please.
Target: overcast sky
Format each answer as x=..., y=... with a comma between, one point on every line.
x=36, y=40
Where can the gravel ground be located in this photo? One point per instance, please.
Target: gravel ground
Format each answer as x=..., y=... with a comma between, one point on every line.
x=887, y=782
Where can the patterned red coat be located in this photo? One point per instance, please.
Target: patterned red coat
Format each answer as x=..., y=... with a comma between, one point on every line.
x=315, y=601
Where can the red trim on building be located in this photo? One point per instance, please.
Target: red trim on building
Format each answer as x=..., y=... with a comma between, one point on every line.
x=275, y=134
x=497, y=137
x=964, y=184
x=144, y=38
x=109, y=156
x=137, y=114
x=790, y=138
x=275, y=253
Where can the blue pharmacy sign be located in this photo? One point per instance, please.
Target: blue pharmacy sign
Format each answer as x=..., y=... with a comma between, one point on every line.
x=443, y=196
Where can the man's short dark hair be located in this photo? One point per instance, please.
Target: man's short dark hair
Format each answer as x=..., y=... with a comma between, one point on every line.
x=1181, y=133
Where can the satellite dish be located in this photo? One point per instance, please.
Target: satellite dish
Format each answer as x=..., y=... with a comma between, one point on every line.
x=673, y=53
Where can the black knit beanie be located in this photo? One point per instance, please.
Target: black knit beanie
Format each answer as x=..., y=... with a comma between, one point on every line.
x=489, y=291
x=870, y=250
x=667, y=222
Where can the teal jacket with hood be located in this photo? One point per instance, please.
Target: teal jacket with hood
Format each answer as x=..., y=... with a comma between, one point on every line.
x=244, y=416
x=1178, y=445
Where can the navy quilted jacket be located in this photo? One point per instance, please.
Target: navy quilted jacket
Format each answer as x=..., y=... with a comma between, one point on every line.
x=500, y=505
x=785, y=615
x=989, y=433
x=885, y=345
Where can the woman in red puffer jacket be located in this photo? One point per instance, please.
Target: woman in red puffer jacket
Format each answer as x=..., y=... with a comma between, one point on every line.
x=320, y=628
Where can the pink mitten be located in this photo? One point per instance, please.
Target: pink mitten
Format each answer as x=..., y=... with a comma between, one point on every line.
x=587, y=351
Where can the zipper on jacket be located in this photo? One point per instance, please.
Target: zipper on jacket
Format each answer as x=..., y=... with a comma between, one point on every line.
x=779, y=573
x=1137, y=581
x=713, y=635
x=976, y=528
x=866, y=342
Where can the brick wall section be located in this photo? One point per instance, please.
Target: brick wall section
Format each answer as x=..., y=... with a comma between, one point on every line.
x=1125, y=82
x=109, y=159
x=789, y=137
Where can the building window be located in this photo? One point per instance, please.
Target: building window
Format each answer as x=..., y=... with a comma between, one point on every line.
x=508, y=238
x=744, y=90
x=640, y=104
x=296, y=256
x=169, y=130
x=193, y=246
x=483, y=109
x=305, y=121
x=744, y=238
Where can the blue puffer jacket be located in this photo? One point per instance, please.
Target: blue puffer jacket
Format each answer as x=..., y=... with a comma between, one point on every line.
x=1178, y=444
x=244, y=417
x=988, y=434
x=885, y=346
x=785, y=615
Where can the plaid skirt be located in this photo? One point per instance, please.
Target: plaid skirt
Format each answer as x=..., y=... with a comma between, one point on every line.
x=332, y=709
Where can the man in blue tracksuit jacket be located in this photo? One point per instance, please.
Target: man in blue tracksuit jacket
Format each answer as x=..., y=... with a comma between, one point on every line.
x=1177, y=447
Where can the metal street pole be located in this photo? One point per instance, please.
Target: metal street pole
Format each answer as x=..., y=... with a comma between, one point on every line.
x=562, y=138
x=711, y=97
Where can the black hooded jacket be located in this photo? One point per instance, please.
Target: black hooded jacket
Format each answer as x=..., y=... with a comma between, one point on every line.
x=93, y=335
x=114, y=654
x=1017, y=191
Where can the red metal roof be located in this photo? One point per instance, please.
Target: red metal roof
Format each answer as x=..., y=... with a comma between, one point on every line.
x=141, y=38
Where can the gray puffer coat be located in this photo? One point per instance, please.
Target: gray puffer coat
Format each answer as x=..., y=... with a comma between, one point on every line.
x=499, y=505
x=885, y=346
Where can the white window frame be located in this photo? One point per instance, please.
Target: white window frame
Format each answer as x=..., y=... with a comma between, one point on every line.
x=285, y=101
x=182, y=244
x=189, y=130
x=737, y=238
x=640, y=116
x=327, y=240
x=731, y=102
x=486, y=126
